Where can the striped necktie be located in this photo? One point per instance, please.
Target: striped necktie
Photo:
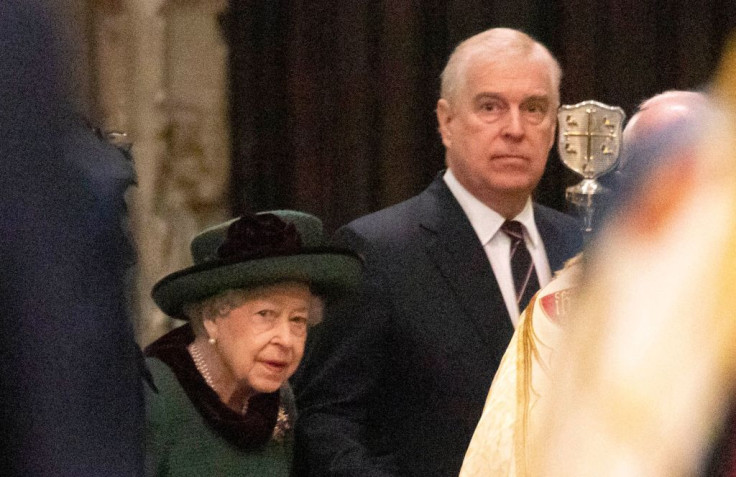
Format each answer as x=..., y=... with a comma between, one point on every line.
x=526, y=283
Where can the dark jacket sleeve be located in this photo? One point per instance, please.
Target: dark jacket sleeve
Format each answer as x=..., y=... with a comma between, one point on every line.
x=335, y=387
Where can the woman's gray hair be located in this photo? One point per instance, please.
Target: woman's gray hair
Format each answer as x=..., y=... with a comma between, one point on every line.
x=216, y=306
x=220, y=305
x=495, y=44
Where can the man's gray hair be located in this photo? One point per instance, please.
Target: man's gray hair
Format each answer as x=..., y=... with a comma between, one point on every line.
x=494, y=44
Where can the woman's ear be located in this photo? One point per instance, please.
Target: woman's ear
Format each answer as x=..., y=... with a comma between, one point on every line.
x=210, y=326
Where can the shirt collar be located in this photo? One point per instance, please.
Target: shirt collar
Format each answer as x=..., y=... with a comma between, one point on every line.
x=526, y=217
x=485, y=221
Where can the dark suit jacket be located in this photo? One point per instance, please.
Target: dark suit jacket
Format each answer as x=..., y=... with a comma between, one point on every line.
x=395, y=381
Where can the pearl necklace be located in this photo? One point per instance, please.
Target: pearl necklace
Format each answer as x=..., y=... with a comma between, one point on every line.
x=202, y=366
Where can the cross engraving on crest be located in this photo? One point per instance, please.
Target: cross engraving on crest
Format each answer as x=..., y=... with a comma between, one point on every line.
x=590, y=137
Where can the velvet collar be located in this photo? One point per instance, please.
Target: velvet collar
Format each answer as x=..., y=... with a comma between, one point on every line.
x=248, y=432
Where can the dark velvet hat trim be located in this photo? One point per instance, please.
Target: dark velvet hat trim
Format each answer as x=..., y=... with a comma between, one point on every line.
x=248, y=432
x=259, y=249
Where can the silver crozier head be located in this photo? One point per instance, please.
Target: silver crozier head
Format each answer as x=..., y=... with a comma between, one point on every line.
x=589, y=142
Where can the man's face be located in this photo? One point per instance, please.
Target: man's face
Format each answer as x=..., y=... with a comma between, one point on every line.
x=499, y=128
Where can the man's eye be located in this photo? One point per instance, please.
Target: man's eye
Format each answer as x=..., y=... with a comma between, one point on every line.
x=536, y=108
x=535, y=112
x=491, y=107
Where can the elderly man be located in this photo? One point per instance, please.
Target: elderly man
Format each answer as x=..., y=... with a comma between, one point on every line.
x=395, y=381
x=514, y=420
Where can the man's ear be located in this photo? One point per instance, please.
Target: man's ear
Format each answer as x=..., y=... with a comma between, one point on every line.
x=444, y=118
x=553, y=137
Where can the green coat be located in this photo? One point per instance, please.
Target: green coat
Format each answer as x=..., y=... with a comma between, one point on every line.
x=180, y=443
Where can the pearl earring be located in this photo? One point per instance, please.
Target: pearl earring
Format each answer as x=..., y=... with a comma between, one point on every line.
x=212, y=341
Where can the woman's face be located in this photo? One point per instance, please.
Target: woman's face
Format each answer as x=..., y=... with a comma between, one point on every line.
x=261, y=342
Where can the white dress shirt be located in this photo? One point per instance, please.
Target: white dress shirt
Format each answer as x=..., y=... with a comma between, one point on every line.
x=487, y=225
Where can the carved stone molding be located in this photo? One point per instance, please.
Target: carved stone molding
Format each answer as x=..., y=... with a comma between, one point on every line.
x=161, y=70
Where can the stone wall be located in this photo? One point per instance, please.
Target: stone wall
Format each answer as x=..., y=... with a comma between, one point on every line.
x=156, y=70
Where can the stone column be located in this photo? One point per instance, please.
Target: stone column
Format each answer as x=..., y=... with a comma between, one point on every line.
x=161, y=71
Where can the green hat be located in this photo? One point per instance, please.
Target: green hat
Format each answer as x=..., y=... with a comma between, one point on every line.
x=259, y=249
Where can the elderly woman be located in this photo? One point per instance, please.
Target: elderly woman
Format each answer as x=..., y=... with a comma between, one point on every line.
x=219, y=403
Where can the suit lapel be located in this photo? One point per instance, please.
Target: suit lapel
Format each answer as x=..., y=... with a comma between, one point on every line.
x=454, y=247
x=558, y=247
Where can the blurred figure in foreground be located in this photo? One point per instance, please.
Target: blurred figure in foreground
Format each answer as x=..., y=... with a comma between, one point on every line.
x=513, y=416
x=645, y=374
x=71, y=398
